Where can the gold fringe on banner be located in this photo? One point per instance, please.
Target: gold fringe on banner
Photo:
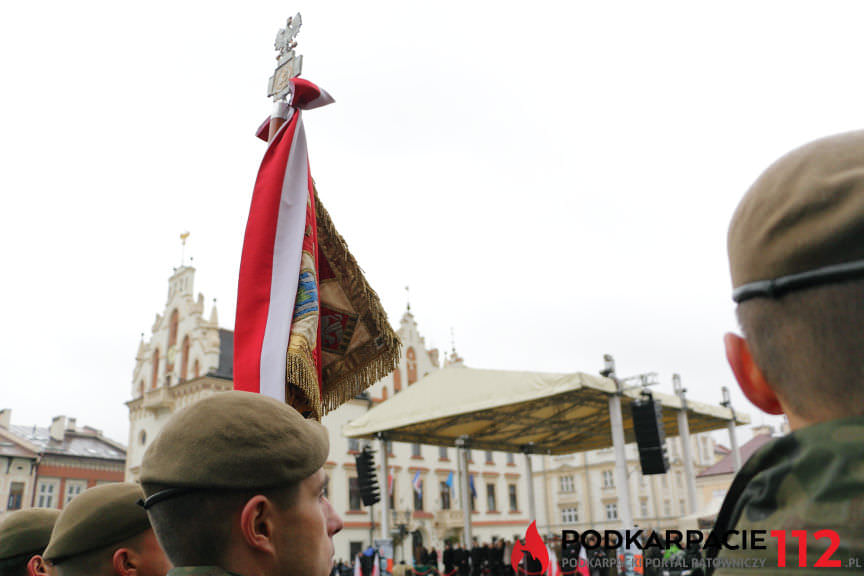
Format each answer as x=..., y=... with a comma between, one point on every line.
x=362, y=349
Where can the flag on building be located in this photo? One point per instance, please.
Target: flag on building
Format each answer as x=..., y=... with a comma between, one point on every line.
x=309, y=330
x=449, y=481
x=473, y=490
x=418, y=484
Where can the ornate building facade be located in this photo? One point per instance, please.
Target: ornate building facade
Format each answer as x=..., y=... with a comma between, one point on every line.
x=188, y=357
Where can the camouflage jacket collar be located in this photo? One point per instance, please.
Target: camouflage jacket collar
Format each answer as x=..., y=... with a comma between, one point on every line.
x=200, y=571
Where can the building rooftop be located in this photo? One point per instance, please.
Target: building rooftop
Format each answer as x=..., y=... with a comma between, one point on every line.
x=84, y=443
x=727, y=464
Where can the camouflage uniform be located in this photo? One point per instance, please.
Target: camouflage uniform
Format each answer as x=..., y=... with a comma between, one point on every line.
x=812, y=479
x=200, y=571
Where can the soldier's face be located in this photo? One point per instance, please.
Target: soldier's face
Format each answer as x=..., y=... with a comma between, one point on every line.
x=306, y=548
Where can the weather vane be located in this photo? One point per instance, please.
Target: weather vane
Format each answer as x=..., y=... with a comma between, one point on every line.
x=183, y=238
x=288, y=64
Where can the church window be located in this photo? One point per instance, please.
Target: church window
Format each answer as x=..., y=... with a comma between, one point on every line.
x=172, y=340
x=197, y=369
x=155, y=368
x=184, y=361
x=411, y=365
x=397, y=380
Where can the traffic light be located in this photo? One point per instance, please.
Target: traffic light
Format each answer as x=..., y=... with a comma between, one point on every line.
x=366, y=477
x=650, y=435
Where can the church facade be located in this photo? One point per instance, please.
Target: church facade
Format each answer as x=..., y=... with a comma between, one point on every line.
x=189, y=357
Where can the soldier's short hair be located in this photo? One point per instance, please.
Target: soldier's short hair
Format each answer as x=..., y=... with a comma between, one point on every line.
x=194, y=529
x=808, y=344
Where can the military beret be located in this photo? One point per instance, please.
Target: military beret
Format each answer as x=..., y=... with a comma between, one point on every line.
x=26, y=532
x=801, y=224
x=97, y=518
x=235, y=440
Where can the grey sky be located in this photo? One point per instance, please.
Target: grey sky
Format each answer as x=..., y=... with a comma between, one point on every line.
x=554, y=183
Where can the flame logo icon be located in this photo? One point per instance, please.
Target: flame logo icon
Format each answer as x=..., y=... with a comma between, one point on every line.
x=533, y=546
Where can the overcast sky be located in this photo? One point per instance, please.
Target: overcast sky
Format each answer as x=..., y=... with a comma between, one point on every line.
x=553, y=182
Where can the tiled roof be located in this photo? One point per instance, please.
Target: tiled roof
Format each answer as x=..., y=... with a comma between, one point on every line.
x=81, y=443
x=226, y=356
x=11, y=449
x=727, y=464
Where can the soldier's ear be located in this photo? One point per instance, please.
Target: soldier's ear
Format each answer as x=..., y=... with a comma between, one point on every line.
x=749, y=376
x=257, y=524
x=36, y=566
x=124, y=562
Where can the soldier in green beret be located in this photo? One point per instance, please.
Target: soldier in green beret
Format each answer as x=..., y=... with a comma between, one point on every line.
x=235, y=484
x=105, y=532
x=24, y=534
x=796, y=252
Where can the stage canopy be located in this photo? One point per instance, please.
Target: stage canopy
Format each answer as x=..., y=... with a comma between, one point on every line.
x=515, y=411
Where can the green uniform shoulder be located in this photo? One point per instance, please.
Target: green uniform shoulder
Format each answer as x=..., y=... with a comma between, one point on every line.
x=811, y=480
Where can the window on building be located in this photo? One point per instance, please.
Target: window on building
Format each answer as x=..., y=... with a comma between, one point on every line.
x=489, y=458
x=570, y=515
x=384, y=393
x=678, y=481
x=643, y=508
x=612, y=511
x=566, y=483
x=141, y=388
x=491, y=504
x=392, y=491
x=16, y=495
x=514, y=502
x=682, y=505
x=444, y=490
x=73, y=489
x=155, y=378
x=663, y=481
x=667, y=508
x=442, y=453
x=172, y=340
x=511, y=460
x=184, y=360
x=354, y=500
x=197, y=369
x=397, y=380
x=411, y=365
x=415, y=451
x=389, y=445
x=470, y=456
x=353, y=445
x=45, y=493
x=418, y=497
x=608, y=479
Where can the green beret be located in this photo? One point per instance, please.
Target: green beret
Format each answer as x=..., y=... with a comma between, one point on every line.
x=235, y=440
x=26, y=532
x=802, y=222
x=97, y=518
